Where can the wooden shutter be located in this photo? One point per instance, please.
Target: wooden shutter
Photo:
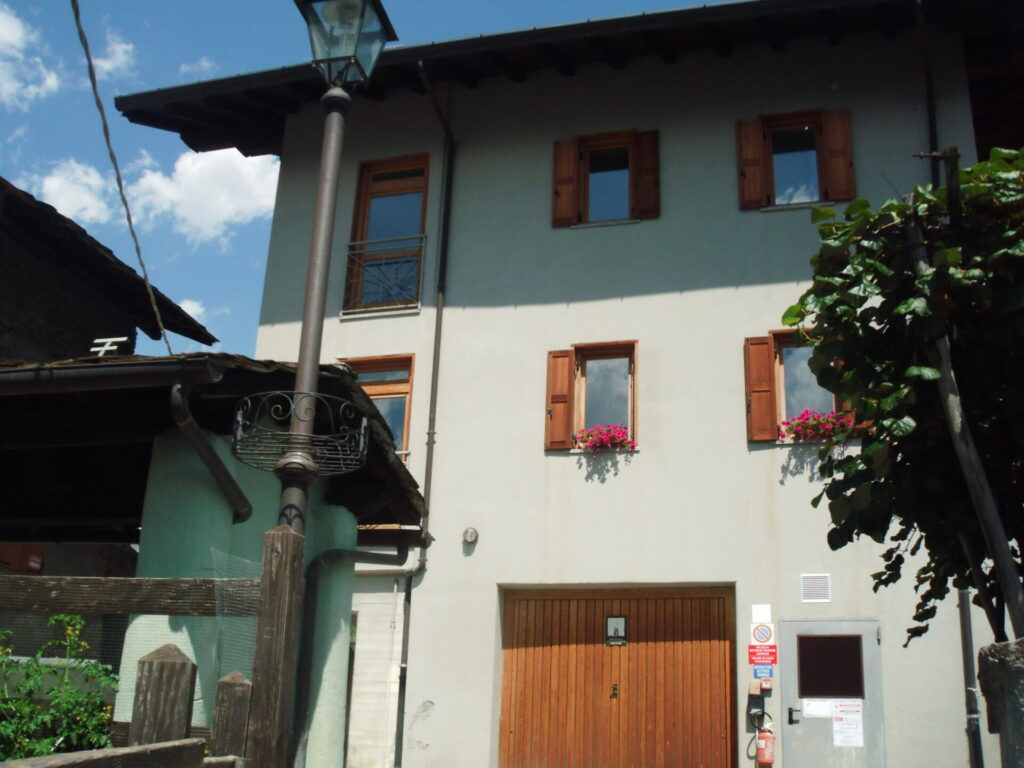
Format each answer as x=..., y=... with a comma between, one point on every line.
x=759, y=371
x=836, y=151
x=751, y=156
x=558, y=415
x=565, y=198
x=646, y=200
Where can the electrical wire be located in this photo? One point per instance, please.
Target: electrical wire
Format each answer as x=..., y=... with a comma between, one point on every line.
x=117, y=175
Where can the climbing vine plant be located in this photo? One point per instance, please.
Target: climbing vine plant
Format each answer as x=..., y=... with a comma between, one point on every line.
x=873, y=320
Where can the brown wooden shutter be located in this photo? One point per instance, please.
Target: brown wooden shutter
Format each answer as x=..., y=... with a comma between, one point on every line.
x=646, y=200
x=837, y=156
x=565, y=198
x=558, y=416
x=759, y=370
x=752, y=159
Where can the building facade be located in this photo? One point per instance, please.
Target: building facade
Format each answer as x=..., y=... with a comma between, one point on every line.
x=598, y=225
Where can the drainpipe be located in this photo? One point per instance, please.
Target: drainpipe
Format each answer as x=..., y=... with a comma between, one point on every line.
x=313, y=571
x=929, y=90
x=241, y=507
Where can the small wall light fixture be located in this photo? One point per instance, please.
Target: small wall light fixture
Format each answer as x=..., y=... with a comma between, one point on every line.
x=615, y=630
x=470, y=535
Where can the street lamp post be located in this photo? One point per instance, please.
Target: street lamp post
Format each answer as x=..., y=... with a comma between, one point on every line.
x=347, y=37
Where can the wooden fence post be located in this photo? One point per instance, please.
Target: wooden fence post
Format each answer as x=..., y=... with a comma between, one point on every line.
x=231, y=715
x=162, y=710
x=269, y=735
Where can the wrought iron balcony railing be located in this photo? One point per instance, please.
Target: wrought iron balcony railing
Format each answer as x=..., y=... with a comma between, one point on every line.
x=383, y=274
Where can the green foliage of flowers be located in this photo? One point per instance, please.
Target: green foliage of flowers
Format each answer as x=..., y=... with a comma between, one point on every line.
x=611, y=437
x=873, y=320
x=814, y=425
x=56, y=705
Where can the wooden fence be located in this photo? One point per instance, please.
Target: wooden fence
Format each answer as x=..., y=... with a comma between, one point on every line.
x=251, y=719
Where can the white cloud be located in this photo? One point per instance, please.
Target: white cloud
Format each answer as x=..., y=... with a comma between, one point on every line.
x=207, y=193
x=194, y=308
x=75, y=189
x=23, y=77
x=202, y=66
x=117, y=59
x=18, y=133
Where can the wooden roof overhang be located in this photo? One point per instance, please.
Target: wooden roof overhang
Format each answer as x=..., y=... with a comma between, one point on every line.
x=76, y=444
x=249, y=111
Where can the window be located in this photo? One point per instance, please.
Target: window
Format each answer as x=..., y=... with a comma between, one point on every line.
x=802, y=157
x=388, y=382
x=588, y=385
x=606, y=177
x=779, y=384
x=386, y=252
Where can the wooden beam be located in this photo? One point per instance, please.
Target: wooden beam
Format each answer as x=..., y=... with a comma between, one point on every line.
x=164, y=688
x=270, y=730
x=186, y=753
x=719, y=40
x=460, y=73
x=613, y=57
x=121, y=597
x=556, y=59
x=411, y=80
x=507, y=67
x=656, y=41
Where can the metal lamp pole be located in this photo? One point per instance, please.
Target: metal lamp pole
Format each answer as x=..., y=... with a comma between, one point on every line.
x=297, y=469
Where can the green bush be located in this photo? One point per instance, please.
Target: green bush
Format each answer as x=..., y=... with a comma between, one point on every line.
x=57, y=705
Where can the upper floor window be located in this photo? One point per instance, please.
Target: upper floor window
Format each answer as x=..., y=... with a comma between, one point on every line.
x=606, y=177
x=779, y=385
x=388, y=382
x=589, y=385
x=801, y=157
x=386, y=252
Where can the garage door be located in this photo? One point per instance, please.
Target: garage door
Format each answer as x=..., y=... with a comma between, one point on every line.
x=664, y=698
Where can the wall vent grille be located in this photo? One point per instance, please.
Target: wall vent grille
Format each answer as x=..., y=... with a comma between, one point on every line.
x=815, y=588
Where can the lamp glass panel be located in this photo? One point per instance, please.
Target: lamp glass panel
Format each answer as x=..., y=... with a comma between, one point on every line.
x=371, y=40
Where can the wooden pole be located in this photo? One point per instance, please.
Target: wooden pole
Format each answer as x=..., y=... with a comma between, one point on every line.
x=162, y=710
x=187, y=753
x=970, y=463
x=269, y=736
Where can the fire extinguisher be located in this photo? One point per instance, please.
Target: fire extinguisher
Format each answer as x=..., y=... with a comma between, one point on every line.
x=765, y=746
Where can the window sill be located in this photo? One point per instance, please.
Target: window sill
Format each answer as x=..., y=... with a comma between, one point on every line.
x=798, y=206
x=580, y=452
x=611, y=223
x=364, y=314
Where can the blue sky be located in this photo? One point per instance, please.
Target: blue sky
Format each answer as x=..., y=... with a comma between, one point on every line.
x=204, y=220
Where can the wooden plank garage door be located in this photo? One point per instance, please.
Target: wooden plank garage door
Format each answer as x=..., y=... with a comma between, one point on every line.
x=665, y=699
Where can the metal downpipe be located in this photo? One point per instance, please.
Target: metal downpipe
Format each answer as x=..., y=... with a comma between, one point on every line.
x=241, y=507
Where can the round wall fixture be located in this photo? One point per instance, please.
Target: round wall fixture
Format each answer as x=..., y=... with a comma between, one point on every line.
x=470, y=535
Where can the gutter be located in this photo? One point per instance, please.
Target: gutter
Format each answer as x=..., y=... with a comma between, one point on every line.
x=90, y=377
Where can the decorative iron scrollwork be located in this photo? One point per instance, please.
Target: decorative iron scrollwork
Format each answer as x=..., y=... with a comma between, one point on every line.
x=262, y=431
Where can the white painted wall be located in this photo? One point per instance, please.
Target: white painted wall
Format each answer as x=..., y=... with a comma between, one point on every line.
x=697, y=504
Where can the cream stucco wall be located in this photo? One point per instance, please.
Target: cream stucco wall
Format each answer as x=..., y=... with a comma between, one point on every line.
x=697, y=504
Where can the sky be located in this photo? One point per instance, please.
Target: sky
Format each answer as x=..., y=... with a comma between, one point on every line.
x=203, y=219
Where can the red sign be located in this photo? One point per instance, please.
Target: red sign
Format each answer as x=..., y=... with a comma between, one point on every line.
x=763, y=654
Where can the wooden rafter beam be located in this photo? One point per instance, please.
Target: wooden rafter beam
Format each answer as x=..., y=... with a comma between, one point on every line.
x=507, y=67
x=656, y=41
x=612, y=56
x=557, y=60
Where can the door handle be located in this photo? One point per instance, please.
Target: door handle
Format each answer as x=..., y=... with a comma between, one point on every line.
x=615, y=691
x=793, y=710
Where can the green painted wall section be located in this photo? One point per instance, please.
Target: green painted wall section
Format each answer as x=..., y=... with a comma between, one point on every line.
x=187, y=531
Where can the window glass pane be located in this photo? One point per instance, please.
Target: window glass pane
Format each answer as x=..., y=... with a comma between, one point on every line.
x=830, y=667
x=607, y=395
x=795, y=162
x=801, y=388
x=390, y=280
x=394, y=216
x=393, y=411
x=396, y=374
x=608, y=190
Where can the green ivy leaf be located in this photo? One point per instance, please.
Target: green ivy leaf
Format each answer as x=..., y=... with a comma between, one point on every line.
x=899, y=427
x=793, y=315
x=914, y=305
x=922, y=372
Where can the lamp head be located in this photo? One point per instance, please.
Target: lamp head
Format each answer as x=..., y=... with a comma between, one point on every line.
x=346, y=36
